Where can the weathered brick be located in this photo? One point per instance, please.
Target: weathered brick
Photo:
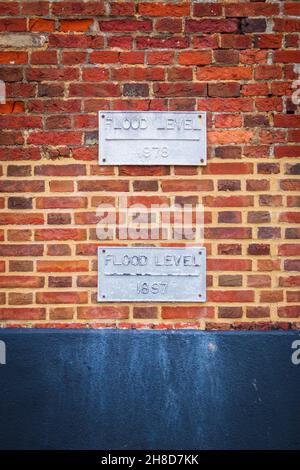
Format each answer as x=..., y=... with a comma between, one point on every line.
x=187, y=312
x=60, y=234
x=58, y=297
x=21, y=281
x=212, y=26
x=19, y=203
x=230, y=312
x=101, y=312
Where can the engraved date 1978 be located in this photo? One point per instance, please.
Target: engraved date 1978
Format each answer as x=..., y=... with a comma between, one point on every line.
x=153, y=152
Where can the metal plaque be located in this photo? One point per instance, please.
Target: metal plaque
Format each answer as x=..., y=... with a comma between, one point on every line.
x=152, y=138
x=144, y=274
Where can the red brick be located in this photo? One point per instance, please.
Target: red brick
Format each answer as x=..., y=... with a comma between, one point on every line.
x=37, y=8
x=283, y=151
x=258, y=280
x=126, y=25
x=61, y=186
x=207, y=9
x=21, y=250
x=224, y=89
x=122, y=42
x=73, y=57
x=173, y=42
x=257, y=185
x=292, y=8
x=180, y=73
x=271, y=296
x=44, y=57
x=268, y=41
x=224, y=73
x=227, y=232
x=253, y=57
x=222, y=137
x=257, y=312
x=286, y=120
x=288, y=249
x=194, y=58
x=101, y=312
x=99, y=89
x=251, y=9
x=235, y=168
x=122, y=9
x=61, y=202
x=80, y=26
x=293, y=296
x=292, y=265
x=60, y=281
x=229, y=265
x=257, y=249
x=187, y=312
x=9, y=9
x=103, y=185
x=12, y=107
x=61, y=313
x=228, y=120
x=230, y=312
x=231, y=296
x=168, y=25
x=13, y=218
x=236, y=41
x=61, y=297
x=60, y=234
x=290, y=311
x=290, y=281
x=212, y=26
x=226, y=56
x=206, y=42
x=21, y=281
x=17, y=298
x=13, y=58
x=179, y=89
x=266, y=72
x=19, y=235
x=187, y=185
x=24, y=313
x=41, y=25
x=286, y=25
x=79, y=41
x=145, y=312
x=61, y=266
x=287, y=56
x=229, y=217
x=229, y=201
x=63, y=137
x=163, y=9
x=13, y=24
x=66, y=8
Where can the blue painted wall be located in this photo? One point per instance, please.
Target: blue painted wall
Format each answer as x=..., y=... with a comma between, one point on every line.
x=116, y=389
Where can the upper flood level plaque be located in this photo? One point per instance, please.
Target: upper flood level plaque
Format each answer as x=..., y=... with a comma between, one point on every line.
x=152, y=138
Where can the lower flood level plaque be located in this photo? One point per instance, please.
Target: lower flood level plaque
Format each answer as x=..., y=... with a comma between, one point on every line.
x=149, y=274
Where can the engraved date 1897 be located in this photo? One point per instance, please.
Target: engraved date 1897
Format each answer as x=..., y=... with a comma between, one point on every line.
x=152, y=287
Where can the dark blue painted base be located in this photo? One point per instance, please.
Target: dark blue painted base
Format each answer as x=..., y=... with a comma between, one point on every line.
x=116, y=389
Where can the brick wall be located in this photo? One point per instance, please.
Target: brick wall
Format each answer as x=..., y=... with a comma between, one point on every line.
x=62, y=61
